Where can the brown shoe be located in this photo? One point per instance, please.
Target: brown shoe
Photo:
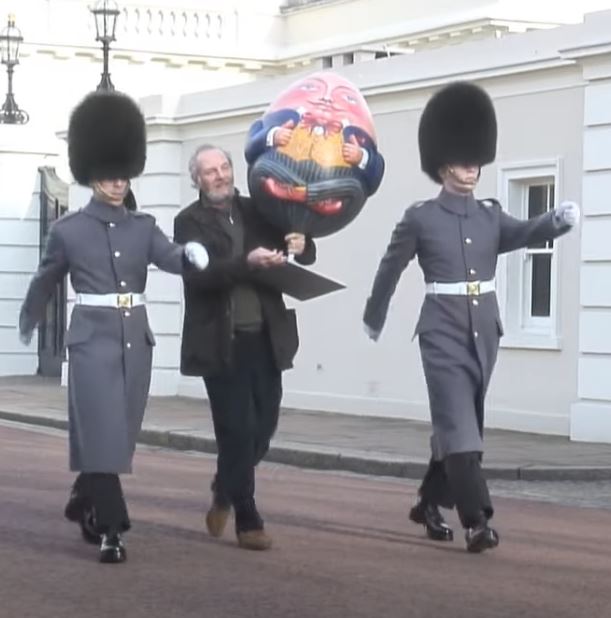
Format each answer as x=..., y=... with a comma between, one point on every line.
x=216, y=519
x=257, y=540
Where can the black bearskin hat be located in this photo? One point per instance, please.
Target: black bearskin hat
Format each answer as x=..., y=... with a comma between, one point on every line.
x=458, y=126
x=106, y=138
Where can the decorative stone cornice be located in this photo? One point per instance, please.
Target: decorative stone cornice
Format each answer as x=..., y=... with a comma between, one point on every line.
x=175, y=34
x=64, y=53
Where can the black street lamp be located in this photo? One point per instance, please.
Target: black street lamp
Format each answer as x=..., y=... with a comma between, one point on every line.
x=10, y=38
x=105, y=13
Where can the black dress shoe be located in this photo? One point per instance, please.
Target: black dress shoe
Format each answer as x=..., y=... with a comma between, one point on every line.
x=79, y=511
x=112, y=550
x=429, y=516
x=481, y=538
x=88, y=529
x=75, y=506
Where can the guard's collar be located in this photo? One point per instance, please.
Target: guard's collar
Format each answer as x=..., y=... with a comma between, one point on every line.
x=464, y=205
x=105, y=212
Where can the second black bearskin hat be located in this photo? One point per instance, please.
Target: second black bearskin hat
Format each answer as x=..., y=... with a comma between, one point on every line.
x=106, y=138
x=458, y=126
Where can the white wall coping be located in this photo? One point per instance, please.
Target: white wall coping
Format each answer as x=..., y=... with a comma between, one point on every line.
x=25, y=139
x=528, y=52
x=158, y=26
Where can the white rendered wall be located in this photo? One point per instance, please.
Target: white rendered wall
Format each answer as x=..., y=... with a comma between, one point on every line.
x=540, y=104
x=21, y=153
x=591, y=413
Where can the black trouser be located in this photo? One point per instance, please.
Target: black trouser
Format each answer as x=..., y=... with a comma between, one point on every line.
x=245, y=404
x=458, y=481
x=435, y=488
x=102, y=494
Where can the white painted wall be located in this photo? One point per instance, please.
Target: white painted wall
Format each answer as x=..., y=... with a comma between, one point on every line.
x=21, y=153
x=591, y=414
x=539, y=97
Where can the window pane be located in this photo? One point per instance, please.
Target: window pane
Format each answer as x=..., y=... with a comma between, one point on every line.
x=537, y=200
x=552, y=199
x=541, y=285
x=551, y=195
x=538, y=204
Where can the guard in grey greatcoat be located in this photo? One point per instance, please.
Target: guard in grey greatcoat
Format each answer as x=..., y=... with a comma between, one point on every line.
x=106, y=248
x=457, y=240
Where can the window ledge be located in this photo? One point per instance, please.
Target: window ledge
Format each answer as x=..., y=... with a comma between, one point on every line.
x=531, y=341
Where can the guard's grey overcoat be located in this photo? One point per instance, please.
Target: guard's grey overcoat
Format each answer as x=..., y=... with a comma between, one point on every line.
x=456, y=238
x=105, y=249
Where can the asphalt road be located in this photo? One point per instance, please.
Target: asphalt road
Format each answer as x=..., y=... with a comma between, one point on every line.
x=342, y=548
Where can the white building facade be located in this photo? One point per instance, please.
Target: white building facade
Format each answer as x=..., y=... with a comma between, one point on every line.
x=552, y=92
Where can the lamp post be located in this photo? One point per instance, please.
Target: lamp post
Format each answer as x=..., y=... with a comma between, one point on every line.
x=105, y=13
x=10, y=38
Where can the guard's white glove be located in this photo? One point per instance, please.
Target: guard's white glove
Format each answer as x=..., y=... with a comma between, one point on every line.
x=372, y=334
x=196, y=254
x=567, y=213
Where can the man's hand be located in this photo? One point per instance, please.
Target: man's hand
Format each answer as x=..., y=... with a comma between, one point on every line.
x=282, y=135
x=567, y=213
x=264, y=258
x=351, y=151
x=196, y=254
x=295, y=243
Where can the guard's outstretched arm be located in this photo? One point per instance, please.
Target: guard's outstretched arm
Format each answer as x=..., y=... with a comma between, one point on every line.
x=221, y=273
x=517, y=233
x=401, y=250
x=53, y=268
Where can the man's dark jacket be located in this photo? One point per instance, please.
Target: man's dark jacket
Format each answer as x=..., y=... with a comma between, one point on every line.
x=207, y=327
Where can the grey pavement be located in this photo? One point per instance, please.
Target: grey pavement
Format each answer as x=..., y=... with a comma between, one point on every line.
x=321, y=440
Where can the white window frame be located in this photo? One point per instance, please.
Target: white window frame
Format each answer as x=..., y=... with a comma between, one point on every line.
x=514, y=270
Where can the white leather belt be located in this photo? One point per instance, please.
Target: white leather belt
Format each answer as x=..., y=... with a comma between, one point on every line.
x=461, y=288
x=120, y=301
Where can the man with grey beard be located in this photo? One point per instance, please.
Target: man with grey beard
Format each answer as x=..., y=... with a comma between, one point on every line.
x=237, y=334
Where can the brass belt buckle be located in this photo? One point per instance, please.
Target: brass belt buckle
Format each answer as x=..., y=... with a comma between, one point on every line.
x=124, y=301
x=473, y=288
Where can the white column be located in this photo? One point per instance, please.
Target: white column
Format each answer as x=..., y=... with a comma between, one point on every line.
x=22, y=152
x=158, y=192
x=591, y=414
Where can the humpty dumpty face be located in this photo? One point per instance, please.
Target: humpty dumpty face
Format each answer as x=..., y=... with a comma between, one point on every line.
x=327, y=98
x=313, y=158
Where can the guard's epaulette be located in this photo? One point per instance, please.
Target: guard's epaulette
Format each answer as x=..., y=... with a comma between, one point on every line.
x=139, y=213
x=409, y=211
x=419, y=204
x=489, y=202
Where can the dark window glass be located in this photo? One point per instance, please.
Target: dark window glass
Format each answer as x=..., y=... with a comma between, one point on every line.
x=540, y=303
